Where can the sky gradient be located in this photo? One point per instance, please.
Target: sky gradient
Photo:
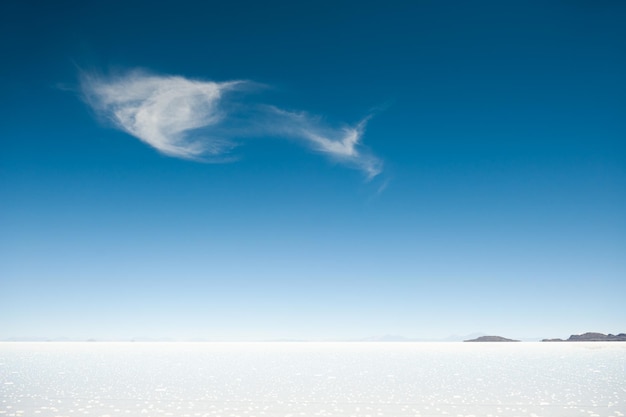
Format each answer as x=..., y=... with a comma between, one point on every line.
x=483, y=188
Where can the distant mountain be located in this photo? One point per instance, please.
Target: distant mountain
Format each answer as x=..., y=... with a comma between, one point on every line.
x=152, y=339
x=387, y=338
x=398, y=338
x=39, y=339
x=592, y=337
x=457, y=338
x=491, y=339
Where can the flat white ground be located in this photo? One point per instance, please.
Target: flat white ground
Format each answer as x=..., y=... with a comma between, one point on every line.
x=312, y=379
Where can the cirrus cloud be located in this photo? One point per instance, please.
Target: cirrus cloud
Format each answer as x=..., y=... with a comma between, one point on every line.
x=205, y=120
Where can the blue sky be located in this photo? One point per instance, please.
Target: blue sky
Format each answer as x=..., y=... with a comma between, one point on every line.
x=416, y=168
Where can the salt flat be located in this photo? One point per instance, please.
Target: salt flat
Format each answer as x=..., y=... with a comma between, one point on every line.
x=312, y=379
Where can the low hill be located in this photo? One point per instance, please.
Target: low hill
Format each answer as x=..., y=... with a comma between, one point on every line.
x=491, y=339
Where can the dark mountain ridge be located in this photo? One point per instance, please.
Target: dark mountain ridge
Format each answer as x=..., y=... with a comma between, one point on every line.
x=592, y=337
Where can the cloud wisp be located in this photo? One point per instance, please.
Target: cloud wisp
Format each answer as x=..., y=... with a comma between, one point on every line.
x=342, y=144
x=205, y=120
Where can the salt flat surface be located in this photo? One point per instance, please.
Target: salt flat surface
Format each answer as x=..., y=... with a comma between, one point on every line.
x=312, y=379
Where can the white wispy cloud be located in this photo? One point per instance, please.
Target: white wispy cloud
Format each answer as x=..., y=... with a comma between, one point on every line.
x=203, y=120
x=342, y=144
x=166, y=112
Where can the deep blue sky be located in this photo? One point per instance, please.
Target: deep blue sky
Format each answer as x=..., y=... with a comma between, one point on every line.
x=500, y=207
